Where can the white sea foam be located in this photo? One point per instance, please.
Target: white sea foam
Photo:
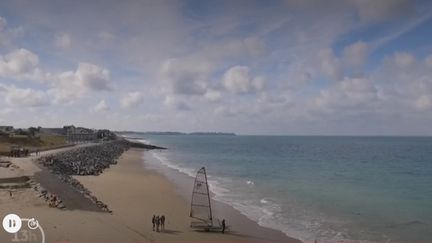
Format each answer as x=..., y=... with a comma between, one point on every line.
x=262, y=214
x=266, y=211
x=143, y=141
x=165, y=161
x=294, y=212
x=263, y=201
x=140, y=140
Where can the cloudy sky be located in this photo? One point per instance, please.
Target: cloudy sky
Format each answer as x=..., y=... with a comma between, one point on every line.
x=308, y=67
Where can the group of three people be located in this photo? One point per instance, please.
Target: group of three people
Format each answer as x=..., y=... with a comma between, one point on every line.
x=158, y=222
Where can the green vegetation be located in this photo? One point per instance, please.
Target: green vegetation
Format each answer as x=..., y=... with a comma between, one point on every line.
x=40, y=142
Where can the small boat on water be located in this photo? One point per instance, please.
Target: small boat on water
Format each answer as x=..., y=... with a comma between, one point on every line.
x=201, y=210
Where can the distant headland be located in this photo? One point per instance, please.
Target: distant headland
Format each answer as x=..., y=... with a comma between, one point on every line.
x=178, y=133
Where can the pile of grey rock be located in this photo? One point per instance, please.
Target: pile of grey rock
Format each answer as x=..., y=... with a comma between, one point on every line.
x=51, y=199
x=8, y=164
x=5, y=164
x=91, y=160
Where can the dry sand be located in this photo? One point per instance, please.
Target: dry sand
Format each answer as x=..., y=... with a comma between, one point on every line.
x=134, y=194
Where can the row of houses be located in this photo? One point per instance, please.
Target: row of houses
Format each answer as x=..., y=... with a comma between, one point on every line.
x=79, y=134
x=10, y=131
x=71, y=133
x=7, y=129
x=82, y=134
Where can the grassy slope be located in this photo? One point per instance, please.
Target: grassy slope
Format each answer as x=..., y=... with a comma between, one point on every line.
x=44, y=141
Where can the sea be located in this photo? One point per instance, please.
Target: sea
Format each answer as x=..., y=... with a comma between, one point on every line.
x=323, y=188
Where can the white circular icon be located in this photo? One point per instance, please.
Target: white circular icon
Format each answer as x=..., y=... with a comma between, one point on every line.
x=12, y=223
x=33, y=224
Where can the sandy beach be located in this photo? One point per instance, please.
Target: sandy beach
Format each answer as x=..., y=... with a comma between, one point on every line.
x=134, y=194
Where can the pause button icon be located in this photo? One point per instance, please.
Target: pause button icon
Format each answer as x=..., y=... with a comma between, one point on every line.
x=12, y=223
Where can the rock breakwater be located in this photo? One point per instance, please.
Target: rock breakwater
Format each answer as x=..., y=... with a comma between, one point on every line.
x=90, y=160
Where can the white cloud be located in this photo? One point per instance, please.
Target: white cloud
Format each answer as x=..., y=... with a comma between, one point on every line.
x=420, y=85
x=349, y=93
x=328, y=63
x=2, y=23
x=102, y=106
x=22, y=64
x=65, y=89
x=423, y=102
x=132, y=99
x=3, y=88
x=403, y=59
x=238, y=80
x=428, y=61
x=355, y=55
x=405, y=82
x=63, y=40
x=225, y=111
x=185, y=77
x=402, y=29
x=149, y=117
x=194, y=64
x=2, y=30
x=176, y=103
x=191, y=74
x=379, y=10
x=303, y=77
x=8, y=34
x=18, y=97
x=366, y=10
x=266, y=98
x=183, y=106
x=213, y=95
x=93, y=77
x=106, y=36
x=68, y=86
x=18, y=64
x=254, y=46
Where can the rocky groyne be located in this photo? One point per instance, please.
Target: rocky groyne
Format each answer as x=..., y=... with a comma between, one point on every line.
x=143, y=145
x=52, y=200
x=84, y=161
x=91, y=160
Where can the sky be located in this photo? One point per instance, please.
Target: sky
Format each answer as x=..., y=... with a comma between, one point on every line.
x=288, y=67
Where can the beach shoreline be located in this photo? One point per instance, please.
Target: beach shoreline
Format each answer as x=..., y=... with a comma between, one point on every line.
x=163, y=197
x=134, y=194
x=183, y=183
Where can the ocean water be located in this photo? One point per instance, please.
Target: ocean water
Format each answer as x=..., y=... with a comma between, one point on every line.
x=315, y=188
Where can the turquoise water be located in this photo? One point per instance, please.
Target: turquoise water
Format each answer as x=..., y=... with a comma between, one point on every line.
x=323, y=188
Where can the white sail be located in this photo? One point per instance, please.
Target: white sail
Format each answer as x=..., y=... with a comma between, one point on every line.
x=200, y=204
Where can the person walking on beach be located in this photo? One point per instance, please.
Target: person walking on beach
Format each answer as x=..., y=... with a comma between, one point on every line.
x=154, y=222
x=223, y=226
x=162, y=219
x=157, y=223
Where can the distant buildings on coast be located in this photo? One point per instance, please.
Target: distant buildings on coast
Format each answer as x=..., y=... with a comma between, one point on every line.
x=71, y=133
x=6, y=129
x=20, y=142
x=10, y=131
x=81, y=134
x=181, y=133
